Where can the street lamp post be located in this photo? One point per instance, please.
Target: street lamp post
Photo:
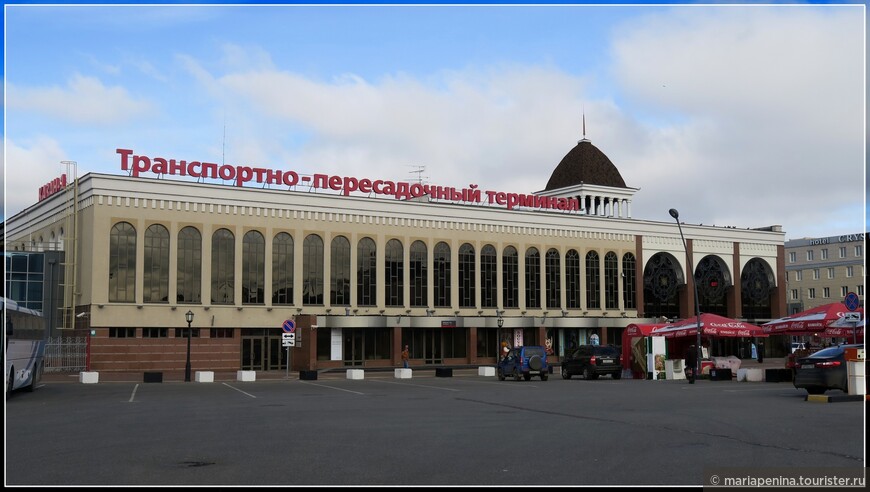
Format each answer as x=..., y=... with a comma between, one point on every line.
x=696, y=371
x=189, y=317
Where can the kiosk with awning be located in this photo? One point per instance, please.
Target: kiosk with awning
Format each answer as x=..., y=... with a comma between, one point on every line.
x=635, y=345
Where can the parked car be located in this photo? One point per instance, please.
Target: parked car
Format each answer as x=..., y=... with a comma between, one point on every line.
x=592, y=361
x=524, y=362
x=823, y=370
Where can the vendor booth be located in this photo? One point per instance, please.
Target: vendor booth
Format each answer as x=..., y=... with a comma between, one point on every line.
x=635, y=347
x=679, y=336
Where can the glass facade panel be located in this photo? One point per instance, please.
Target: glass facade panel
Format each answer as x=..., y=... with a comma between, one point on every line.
x=466, y=276
x=282, y=269
x=510, y=278
x=156, y=271
x=223, y=261
x=189, y=282
x=553, y=273
x=593, y=281
x=488, y=277
x=533, y=278
x=339, y=272
x=367, y=273
x=394, y=274
x=122, y=263
x=441, y=258
x=419, y=275
x=253, y=268
x=312, y=270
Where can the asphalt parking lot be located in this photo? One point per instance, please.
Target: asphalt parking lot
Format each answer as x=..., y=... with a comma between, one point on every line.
x=461, y=430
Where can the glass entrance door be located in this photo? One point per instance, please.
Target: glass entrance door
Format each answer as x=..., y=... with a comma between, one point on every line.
x=432, y=346
x=262, y=350
x=353, y=347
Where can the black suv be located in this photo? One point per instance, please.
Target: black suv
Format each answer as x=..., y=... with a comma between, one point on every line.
x=524, y=362
x=592, y=361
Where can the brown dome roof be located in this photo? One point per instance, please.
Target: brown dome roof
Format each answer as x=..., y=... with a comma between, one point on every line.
x=585, y=164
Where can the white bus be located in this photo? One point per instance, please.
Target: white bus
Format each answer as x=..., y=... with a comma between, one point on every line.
x=24, y=350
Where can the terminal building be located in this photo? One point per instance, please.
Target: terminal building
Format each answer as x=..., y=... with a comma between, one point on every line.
x=361, y=267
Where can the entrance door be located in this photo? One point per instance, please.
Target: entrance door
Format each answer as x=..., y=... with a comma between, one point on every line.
x=262, y=350
x=432, y=346
x=353, y=347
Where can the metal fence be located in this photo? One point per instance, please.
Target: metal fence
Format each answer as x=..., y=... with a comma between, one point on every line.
x=66, y=354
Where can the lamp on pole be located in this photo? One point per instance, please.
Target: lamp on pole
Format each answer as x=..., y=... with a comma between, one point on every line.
x=696, y=371
x=189, y=317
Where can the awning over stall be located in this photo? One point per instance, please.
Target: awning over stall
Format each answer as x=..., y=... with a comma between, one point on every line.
x=810, y=322
x=711, y=325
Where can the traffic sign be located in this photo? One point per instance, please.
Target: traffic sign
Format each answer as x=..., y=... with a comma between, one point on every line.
x=289, y=326
x=851, y=301
x=852, y=316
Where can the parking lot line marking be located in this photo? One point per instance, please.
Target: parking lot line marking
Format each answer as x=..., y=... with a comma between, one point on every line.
x=418, y=385
x=333, y=387
x=133, y=395
x=237, y=389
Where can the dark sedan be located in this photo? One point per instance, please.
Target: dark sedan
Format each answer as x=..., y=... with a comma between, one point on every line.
x=823, y=370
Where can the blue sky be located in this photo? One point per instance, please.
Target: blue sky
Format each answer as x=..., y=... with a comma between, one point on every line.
x=741, y=115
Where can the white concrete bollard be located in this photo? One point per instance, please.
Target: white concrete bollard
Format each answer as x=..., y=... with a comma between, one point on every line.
x=402, y=373
x=355, y=374
x=89, y=377
x=246, y=375
x=204, y=376
x=485, y=371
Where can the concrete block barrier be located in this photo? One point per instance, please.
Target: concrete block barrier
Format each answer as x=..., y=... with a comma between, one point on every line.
x=246, y=375
x=204, y=376
x=402, y=373
x=485, y=371
x=89, y=377
x=355, y=374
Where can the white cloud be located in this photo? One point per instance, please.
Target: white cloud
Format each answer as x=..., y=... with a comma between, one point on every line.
x=83, y=100
x=29, y=165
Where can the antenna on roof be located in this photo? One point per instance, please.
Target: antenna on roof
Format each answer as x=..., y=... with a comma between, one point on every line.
x=584, y=139
x=419, y=172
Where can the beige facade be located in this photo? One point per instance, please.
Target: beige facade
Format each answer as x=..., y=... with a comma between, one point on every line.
x=140, y=335
x=823, y=270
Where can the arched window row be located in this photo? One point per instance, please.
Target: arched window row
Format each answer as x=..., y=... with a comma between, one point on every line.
x=551, y=282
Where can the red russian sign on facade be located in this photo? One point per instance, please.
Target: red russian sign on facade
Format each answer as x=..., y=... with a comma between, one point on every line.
x=52, y=187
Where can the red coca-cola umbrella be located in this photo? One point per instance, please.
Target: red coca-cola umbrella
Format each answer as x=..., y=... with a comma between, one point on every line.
x=711, y=325
x=810, y=322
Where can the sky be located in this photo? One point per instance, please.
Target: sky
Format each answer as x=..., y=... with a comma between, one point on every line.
x=743, y=115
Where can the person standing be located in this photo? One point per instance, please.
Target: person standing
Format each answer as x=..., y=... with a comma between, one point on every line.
x=406, y=354
x=691, y=362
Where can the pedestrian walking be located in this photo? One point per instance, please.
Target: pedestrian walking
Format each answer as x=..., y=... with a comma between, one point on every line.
x=406, y=354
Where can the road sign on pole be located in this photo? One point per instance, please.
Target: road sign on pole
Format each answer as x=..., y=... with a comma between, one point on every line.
x=851, y=301
x=289, y=326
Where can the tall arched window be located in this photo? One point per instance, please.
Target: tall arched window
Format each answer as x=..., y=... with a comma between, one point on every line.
x=629, y=281
x=223, y=261
x=189, y=281
x=466, y=276
x=253, y=268
x=339, y=272
x=553, y=274
x=367, y=273
x=533, y=278
x=488, y=277
x=757, y=283
x=713, y=282
x=282, y=269
x=662, y=278
x=419, y=275
x=510, y=278
x=156, y=271
x=572, y=279
x=611, y=280
x=312, y=270
x=441, y=274
x=593, y=281
x=394, y=273
x=122, y=263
